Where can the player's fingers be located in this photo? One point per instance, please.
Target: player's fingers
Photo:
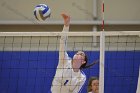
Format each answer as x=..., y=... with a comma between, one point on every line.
x=65, y=16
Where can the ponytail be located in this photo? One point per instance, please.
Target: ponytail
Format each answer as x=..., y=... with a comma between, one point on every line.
x=90, y=65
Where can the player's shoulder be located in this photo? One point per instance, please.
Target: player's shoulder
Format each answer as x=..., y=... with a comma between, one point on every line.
x=83, y=75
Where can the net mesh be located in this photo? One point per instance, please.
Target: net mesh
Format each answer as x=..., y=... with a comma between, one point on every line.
x=28, y=62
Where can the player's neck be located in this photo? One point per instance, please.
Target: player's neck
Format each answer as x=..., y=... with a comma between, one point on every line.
x=76, y=69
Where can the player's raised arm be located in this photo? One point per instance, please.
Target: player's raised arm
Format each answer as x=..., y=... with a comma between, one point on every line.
x=63, y=41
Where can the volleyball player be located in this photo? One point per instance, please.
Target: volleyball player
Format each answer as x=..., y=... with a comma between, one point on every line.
x=69, y=77
x=93, y=85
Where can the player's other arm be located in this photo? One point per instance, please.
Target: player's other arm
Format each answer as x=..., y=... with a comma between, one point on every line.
x=63, y=41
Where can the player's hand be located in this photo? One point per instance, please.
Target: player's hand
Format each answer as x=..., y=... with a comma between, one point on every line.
x=66, y=19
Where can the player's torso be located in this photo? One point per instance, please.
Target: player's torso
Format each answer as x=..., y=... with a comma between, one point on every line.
x=66, y=79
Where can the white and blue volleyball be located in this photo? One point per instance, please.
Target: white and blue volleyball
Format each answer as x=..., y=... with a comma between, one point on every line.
x=42, y=12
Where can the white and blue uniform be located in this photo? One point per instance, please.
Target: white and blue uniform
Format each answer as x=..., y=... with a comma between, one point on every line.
x=68, y=81
x=65, y=79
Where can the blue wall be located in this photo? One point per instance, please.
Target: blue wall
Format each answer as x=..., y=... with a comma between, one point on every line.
x=32, y=72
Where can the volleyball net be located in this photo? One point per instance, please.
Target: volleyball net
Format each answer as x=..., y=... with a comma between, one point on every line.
x=28, y=60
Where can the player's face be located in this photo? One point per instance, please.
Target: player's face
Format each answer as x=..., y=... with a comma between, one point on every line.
x=95, y=86
x=79, y=57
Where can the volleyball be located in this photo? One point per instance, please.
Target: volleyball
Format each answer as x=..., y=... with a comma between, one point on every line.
x=42, y=12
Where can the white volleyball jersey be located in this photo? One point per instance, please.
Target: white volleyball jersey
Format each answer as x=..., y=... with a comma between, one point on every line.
x=66, y=80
